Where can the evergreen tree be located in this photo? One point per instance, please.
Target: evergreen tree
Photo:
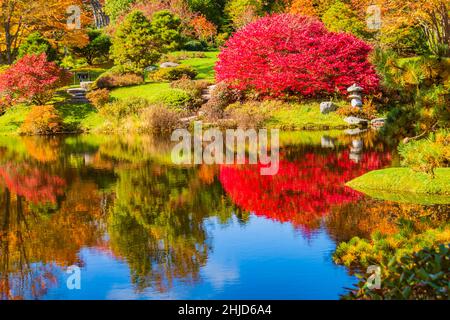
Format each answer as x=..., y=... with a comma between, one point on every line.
x=37, y=44
x=134, y=45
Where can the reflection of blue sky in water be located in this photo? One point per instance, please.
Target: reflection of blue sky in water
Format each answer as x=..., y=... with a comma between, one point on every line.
x=262, y=260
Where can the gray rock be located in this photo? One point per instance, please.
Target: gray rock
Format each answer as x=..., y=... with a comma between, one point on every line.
x=327, y=107
x=356, y=120
x=169, y=65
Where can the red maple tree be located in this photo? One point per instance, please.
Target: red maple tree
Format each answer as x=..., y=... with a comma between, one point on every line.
x=31, y=79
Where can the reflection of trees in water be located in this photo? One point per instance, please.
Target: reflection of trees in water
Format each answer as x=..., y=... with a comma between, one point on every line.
x=36, y=241
x=157, y=223
x=304, y=190
x=362, y=218
x=155, y=212
x=35, y=185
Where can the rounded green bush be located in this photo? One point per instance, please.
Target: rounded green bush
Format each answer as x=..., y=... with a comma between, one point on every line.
x=175, y=73
x=177, y=99
x=194, y=45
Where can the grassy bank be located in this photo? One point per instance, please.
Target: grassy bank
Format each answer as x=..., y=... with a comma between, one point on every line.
x=84, y=117
x=155, y=91
x=304, y=116
x=76, y=118
x=398, y=181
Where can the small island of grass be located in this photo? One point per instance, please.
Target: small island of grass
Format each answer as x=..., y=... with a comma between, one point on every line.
x=400, y=182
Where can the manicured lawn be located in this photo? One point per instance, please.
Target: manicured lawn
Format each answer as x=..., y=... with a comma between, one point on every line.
x=304, y=116
x=79, y=116
x=11, y=121
x=398, y=181
x=204, y=66
x=154, y=91
x=75, y=117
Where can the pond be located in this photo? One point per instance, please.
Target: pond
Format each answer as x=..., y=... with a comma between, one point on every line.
x=140, y=227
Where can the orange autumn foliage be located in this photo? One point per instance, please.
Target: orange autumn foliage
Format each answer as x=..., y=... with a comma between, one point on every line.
x=203, y=28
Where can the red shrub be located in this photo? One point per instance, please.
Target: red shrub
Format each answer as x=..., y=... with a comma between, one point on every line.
x=32, y=79
x=286, y=54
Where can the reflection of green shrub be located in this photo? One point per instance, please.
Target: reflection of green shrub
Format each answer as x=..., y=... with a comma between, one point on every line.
x=423, y=275
x=175, y=73
x=428, y=154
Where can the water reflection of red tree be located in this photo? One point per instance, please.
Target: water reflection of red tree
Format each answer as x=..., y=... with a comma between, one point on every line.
x=303, y=191
x=35, y=185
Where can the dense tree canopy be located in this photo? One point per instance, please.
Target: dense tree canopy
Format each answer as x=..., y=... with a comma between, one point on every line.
x=134, y=46
x=18, y=18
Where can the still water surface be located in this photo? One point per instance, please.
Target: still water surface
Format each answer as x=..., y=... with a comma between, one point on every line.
x=140, y=227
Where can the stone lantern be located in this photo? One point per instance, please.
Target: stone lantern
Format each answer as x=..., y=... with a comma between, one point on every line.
x=355, y=95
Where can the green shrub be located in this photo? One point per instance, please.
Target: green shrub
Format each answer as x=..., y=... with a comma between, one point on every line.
x=340, y=17
x=135, y=45
x=178, y=99
x=405, y=40
x=120, y=109
x=194, y=45
x=423, y=275
x=222, y=38
x=42, y=120
x=99, y=97
x=381, y=248
x=112, y=79
x=35, y=43
x=175, y=73
x=427, y=154
x=159, y=119
x=166, y=30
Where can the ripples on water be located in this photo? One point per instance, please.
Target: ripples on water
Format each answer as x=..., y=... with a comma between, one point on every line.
x=142, y=228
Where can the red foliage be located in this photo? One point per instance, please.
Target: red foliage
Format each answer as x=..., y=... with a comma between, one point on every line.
x=286, y=54
x=32, y=79
x=33, y=184
x=303, y=191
